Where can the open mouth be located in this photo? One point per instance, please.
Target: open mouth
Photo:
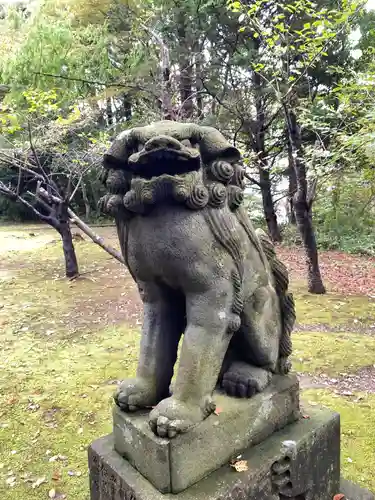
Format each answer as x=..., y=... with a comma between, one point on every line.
x=164, y=161
x=164, y=155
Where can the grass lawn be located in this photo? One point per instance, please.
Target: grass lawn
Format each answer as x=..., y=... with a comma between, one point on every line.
x=64, y=344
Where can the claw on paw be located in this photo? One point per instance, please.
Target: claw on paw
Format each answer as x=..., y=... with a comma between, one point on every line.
x=172, y=417
x=134, y=394
x=244, y=381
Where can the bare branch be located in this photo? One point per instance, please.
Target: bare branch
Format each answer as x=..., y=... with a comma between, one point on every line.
x=36, y=156
x=47, y=207
x=95, y=82
x=251, y=179
x=48, y=197
x=16, y=197
x=75, y=189
x=311, y=192
x=95, y=237
x=19, y=182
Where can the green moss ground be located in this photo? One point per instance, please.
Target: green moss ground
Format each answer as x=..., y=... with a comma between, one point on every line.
x=60, y=361
x=333, y=309
x=357, y=433
x=56, y=400
x=332, y=353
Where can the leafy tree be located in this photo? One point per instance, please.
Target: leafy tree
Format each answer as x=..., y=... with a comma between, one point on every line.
x=294, y=39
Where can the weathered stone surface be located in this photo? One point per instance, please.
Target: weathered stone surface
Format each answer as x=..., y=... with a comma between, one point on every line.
x=354, y=492
x=299, y=461
x=203, y=271
x=173, y=465
x=149, y=454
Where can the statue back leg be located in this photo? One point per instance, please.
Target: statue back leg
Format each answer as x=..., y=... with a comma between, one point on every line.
x=254, y=350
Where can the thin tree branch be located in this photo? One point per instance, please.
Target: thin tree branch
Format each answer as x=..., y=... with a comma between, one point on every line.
x=251, y=179
x=95, y=82
x=41, y=201
x=15, y=197
x=75, y=189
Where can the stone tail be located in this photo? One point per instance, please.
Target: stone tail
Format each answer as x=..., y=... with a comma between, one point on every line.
x=287, y=307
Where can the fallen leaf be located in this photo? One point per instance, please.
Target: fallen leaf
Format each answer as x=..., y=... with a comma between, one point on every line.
x=38, y=482
x=218, y=411
x=58, y=458
x=347, y=393
x=55, y=495
x=11, y=481
x=240, y=465
x=339, y=496
x=306, y=417
x=56, y=476
x=73, y=473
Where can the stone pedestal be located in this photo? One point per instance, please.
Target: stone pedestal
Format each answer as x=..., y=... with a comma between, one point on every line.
x=299, y=462
x=287, y=456
x=172, y=465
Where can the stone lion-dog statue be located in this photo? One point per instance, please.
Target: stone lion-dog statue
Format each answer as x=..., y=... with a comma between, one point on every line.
x=176, y=192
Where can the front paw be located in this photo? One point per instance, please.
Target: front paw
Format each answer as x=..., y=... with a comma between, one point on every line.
x=134, y=394
x=172, y=416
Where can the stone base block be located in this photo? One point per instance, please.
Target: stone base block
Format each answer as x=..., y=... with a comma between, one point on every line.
x=301, y=461
x=174, y=465
x=354, y=492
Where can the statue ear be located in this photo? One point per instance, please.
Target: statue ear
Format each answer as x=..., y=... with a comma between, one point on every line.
x=111, y=161
x=213, y=146
x=119, y=152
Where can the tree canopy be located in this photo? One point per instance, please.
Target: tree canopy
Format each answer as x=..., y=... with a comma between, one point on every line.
x=290, y=83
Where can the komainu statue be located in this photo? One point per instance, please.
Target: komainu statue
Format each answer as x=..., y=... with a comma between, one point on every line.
x=176, y=190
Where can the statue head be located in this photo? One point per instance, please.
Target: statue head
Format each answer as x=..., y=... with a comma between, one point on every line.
x=170, y=162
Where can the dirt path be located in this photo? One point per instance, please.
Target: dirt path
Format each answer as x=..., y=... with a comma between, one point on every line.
x=23, y=241
x=346, y=384
x=343, y=273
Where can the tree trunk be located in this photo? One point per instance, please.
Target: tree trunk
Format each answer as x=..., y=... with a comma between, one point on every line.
x=86, y=201
x=259, y=147
x=292, y=187
x=186, y=67
x=109, y=111
x=70, y=215
x=166, y=91
x=268, y=206
x=71, y=264
x=127, y=107
x=303, y=205
x=199, y=85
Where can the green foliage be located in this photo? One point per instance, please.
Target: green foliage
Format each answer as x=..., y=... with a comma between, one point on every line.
x=51, y=44
x=294, y=53
x=14, y=212
x=345, y=215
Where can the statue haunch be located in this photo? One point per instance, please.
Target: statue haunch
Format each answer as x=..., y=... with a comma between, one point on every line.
x=175, y=190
